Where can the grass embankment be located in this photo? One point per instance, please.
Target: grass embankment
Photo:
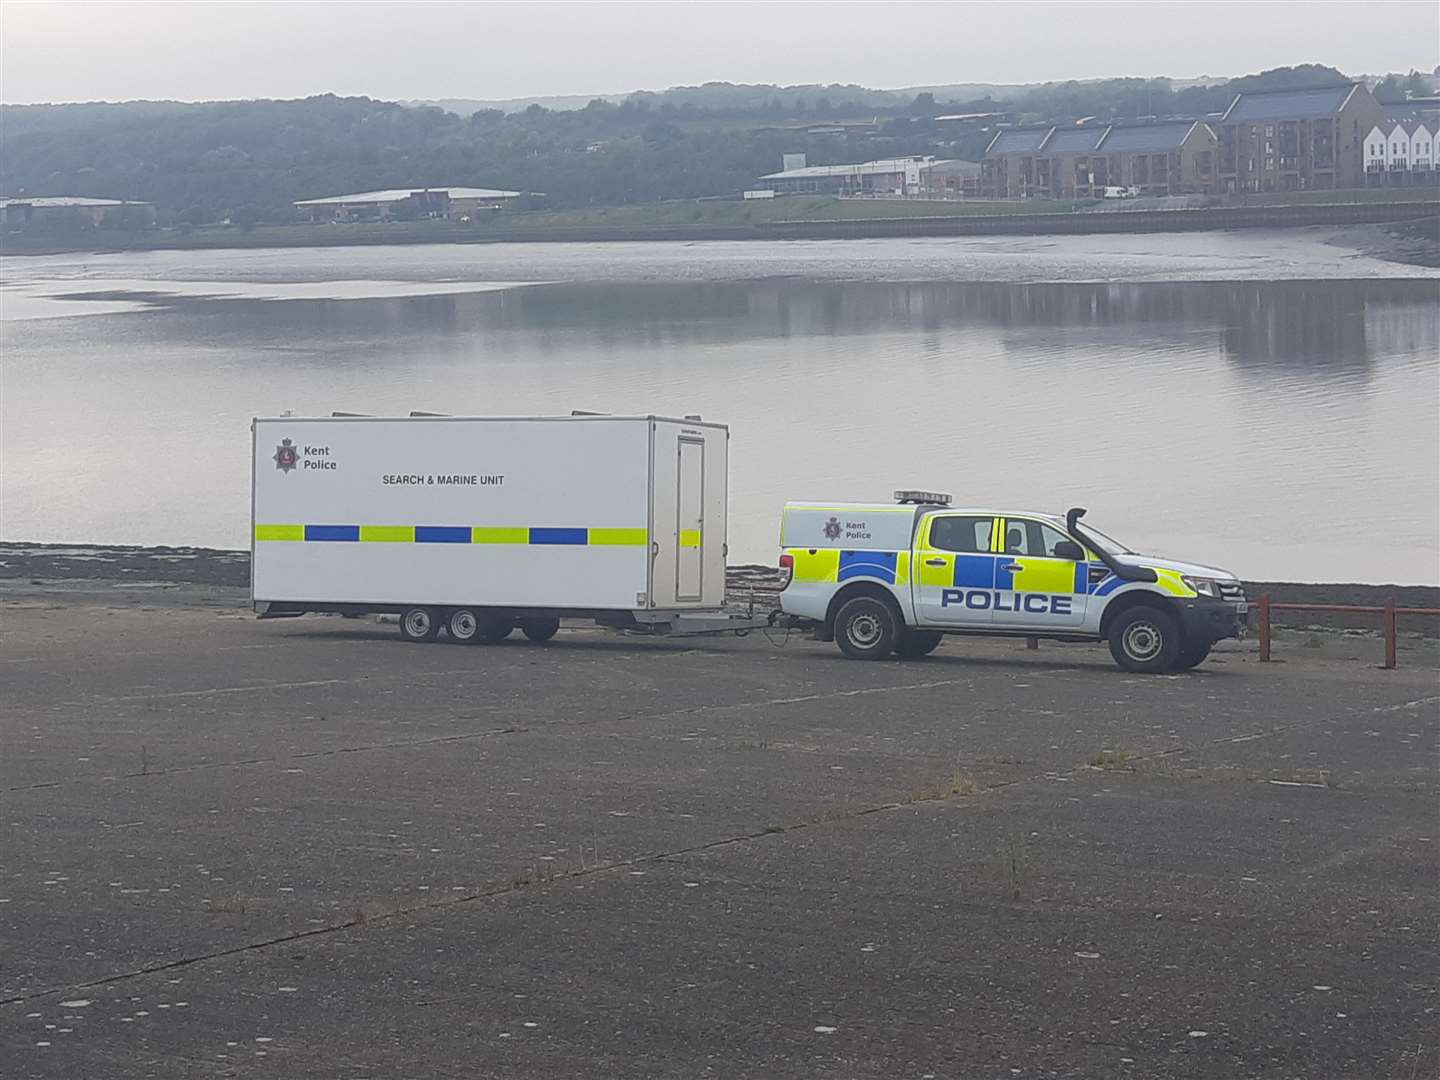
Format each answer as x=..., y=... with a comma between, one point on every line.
x=678, y=219
x=759, y=211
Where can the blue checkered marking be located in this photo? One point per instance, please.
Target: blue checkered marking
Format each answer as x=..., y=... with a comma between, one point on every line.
x=559, y=536
x=333, y=532
x=876, y=564
x=442, y=534
x=977, y=572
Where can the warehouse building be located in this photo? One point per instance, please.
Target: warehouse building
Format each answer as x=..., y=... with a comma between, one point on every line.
x=1296, y=140
x=450, y=203
x=1055, y=162
x=23, y=211
x=891, y=176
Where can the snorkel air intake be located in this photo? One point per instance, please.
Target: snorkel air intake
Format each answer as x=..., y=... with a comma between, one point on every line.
x=1124, y=571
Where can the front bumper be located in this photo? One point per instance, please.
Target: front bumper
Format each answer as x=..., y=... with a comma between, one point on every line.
x=1204, y=619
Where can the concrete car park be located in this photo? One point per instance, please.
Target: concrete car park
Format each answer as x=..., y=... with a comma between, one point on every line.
x=307, y=848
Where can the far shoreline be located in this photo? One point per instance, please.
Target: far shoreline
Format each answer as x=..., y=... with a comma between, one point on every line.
x=226, y=568
x=1402, y=231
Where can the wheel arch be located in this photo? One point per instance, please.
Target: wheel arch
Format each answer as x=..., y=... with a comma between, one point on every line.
x=1132, y=598
x=862, y=587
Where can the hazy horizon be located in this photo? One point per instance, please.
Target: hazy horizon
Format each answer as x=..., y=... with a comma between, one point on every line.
x=57, y=52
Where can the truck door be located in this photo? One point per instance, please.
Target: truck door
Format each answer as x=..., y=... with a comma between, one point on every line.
x=953, y=572
x=690, y=521
x=1034, y=589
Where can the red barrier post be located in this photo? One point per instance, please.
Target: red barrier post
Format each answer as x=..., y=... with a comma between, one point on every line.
x=1389, y=618
x=1264, y=628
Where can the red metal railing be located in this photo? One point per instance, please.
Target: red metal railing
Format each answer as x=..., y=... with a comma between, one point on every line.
x=1389, y=619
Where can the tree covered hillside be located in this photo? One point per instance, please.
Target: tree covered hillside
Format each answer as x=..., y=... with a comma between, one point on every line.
x=249, y=160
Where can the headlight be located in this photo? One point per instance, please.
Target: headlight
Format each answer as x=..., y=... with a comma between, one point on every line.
x=1202, y=585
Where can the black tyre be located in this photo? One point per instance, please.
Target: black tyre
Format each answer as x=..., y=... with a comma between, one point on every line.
x=494, y=630
x=1192, y=654
x=463, y=626
x=540, y=630
x=914, y=644
x=867, y=628
x=419, y=624
x=1145, y=639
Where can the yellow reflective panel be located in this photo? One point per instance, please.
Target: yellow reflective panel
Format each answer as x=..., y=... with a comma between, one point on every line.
x=943, y=575
x=821, y=564
x=1169, y=581
x=620, y=537
x=493, y=534
x=690, y=538
x=279, y=532
x=1044, y=575
x=387, y=534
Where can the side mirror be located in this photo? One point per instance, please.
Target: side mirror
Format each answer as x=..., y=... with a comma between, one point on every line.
x=1068, y=549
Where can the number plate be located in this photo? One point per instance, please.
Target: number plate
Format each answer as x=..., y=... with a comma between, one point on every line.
x=1242, y=609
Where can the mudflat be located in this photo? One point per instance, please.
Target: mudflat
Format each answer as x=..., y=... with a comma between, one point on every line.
x=305, y=848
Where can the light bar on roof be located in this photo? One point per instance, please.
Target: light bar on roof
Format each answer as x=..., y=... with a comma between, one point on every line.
x=923, y=498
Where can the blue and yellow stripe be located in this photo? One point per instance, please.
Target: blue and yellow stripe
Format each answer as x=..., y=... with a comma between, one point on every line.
x=458, y=534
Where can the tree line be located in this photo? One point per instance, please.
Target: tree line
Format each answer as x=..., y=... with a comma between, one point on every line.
x=247, y=161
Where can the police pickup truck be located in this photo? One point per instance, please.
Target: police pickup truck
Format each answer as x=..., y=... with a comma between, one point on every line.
x=894, y=578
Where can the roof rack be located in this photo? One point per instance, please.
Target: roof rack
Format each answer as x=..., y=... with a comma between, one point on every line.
x=907, y=497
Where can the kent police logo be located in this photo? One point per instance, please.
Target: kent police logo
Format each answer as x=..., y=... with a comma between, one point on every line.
x=286, y=456
x=832, y=529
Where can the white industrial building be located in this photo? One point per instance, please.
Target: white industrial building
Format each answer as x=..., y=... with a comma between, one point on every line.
x=453, y=203
x=891, y=177
x=22, y=210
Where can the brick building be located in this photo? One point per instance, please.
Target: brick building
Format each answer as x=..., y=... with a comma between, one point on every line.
x=1172, y=158
x=1296, y=140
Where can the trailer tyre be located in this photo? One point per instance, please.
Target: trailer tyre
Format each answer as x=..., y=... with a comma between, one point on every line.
x=419, y=624
x=1145, y=639
x=463, y=626
x=866, y=628
x=494, y=630
x=540, y=630
x=914, y=644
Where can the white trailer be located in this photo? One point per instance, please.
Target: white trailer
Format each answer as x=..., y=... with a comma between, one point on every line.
x=477, y=525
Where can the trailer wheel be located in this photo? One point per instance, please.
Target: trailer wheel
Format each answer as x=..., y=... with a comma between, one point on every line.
x=914, y=644
x=419, y=624
x=540, y=630
x=494, y=630
x=463, y=626
x=1145, y=639
x=866, y=629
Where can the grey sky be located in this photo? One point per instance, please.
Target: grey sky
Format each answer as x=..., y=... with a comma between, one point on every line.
x=193, y=51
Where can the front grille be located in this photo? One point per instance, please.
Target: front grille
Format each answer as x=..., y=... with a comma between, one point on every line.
x=1231, y=590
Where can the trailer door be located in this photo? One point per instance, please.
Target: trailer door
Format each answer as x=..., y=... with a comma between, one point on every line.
x=690, y=520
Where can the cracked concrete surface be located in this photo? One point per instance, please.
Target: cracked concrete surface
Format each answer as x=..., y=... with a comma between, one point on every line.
x=232, y=848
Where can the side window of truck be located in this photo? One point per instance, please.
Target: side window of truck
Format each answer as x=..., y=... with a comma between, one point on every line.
x=964, y=534
x=1023, y=537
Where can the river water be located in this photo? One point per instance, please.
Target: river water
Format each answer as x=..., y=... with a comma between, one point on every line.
x=1263, y=401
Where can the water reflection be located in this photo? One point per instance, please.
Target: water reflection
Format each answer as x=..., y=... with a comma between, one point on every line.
x=1243, y=407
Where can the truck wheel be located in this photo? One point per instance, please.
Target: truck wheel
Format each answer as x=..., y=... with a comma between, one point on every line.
x=914, y=644
x=463, y=627
x=866, y=629
x=493, y=631
x=1192, y=654
x=541, y=630
x=1145, y=639
x=419, y=624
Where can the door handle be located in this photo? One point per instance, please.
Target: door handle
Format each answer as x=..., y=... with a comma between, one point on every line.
x=934, y=562
x=1014, y=568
